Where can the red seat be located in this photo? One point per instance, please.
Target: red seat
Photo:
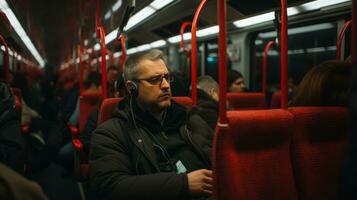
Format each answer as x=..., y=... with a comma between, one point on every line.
x=275, y=100
x=106, y=109
x=251, y=158
x=246, y=101
x=185, y=101
x=318, y=145
x=108, y=106
x=88, y=102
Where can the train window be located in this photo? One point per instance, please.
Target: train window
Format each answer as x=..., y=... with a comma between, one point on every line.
x=308, y=45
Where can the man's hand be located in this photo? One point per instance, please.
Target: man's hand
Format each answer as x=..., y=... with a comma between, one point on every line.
x=200, y=182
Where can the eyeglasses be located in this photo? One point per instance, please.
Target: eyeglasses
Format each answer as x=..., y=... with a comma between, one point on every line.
x=157, y=80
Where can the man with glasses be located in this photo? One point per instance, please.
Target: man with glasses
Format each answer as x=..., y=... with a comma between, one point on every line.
x=152, y=148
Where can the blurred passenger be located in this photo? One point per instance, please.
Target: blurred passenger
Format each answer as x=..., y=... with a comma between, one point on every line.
x=235, y=81
x=11, y=140
x=179, y=85
x=112, y=74
x=327, y=84
x=152, y=148
x=15, y=187
x=207, y=100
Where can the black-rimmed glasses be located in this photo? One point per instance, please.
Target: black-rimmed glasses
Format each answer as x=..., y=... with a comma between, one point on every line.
x=157, y=80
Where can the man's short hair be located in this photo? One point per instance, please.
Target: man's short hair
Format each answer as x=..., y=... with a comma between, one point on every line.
x=131, y=67
x=206, y=83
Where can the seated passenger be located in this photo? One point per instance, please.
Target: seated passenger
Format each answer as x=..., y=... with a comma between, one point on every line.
x=327, y=84
x=207, y=100
x=12, y=147
x=152, y=148
x=235, y=81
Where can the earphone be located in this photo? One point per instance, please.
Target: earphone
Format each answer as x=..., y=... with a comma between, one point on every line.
x=133, y=89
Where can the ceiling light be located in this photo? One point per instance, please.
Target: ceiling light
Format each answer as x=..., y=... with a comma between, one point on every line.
x=117, y=5
x=158, y=4
x=117, y=54
x=143, y=47
x=158, y=43
x=111, y=36
x=131, y=51
x=208, y=31
x=177, y=38
x=20, y=32
x=304, y=29
x=139, y=16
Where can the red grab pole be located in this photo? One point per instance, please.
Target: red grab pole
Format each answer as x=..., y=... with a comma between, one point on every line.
x=194, y=52
x=122, y=59
x=104, y=66
x=222, y=55
x=264, y=69
x=284, y=55
x=81, y=88
x=341, y=34
x=182, y=42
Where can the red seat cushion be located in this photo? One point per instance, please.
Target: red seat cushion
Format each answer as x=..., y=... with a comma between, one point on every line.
x=107, y=108
x=251, y=159
x=184, y=101
x=88, y=102
x=246, y=101
x=318, y=146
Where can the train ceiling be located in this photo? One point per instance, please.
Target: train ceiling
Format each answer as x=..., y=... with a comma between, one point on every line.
x=56, y=26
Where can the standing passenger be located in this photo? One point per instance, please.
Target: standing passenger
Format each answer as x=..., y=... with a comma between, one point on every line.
x=152, y=148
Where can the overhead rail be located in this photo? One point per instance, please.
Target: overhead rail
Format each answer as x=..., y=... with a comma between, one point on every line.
x=341, y=35
x=194, y=52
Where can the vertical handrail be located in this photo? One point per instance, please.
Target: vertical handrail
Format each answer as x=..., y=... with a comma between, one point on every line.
x=341, y=35
x=264, y=68
x=222, y=56
x=182, y=42
x=7, y=64
x=194, y=52
x=81, y=88
x=97, y=18
x=122, y=59
x=111, y=57
x=104, y=66
x=354, y=32
x=284, y=55
x=13, y=58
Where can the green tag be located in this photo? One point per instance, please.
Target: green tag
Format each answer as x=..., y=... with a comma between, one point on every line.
x=180, y=168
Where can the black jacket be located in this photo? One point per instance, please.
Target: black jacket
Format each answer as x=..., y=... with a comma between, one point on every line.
x=207, y=108
x=11, y=139
x=122, y=161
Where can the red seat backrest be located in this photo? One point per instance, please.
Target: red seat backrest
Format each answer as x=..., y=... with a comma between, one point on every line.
x=318, y=146
x=246, y=101
x=88, y=102
x=185, y=101
x=107, y=108
x=275, y=100
x=251, y=159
